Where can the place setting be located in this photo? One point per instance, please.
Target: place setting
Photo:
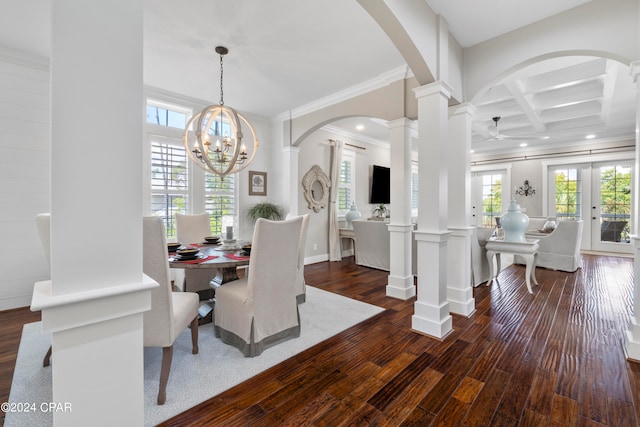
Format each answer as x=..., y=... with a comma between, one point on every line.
x=241, y=255
x=188, y=255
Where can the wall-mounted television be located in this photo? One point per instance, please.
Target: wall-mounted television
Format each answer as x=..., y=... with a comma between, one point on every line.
x=380, y=185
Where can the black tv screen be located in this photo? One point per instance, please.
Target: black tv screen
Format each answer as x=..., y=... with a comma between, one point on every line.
x=380, y=185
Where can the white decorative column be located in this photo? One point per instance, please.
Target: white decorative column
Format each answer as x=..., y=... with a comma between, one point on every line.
x=431, y=310
x=459, y=289
x=94, y=303
x=400, y=282
x=290, y=155
x=632, y=344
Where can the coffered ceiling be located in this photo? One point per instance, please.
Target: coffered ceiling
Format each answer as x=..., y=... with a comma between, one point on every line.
x=566, y=101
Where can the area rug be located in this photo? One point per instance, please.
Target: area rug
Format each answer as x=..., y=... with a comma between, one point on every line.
x=194, y=378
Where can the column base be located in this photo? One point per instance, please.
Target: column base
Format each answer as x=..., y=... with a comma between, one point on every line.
x=461, y=301
x=430, y=320
x=401, y=287
x=632, y=342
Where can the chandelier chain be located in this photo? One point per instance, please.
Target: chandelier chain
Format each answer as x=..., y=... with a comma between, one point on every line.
x=221, y=90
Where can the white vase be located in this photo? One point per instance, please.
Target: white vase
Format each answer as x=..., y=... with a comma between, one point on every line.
x=351, y=215
x=514, y=223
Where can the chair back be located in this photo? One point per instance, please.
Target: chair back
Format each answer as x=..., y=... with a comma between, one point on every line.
x=300, y=283
x=43, y=224
x=192, y=228
x=155, y=264
x=271, y=286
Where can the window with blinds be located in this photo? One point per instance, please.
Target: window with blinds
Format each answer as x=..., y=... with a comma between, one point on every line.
x=414, y=191
x=169, y=183
x=346, y=188
x=175, y=184
x=219, y=199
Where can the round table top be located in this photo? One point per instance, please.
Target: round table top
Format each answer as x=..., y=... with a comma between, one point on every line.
x=221, y=261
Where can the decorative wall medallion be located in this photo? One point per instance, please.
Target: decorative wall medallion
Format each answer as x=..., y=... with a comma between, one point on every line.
x=316, y=186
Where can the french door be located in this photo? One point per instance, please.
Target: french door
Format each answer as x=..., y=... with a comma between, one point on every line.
x=599, y=193
x=487, y=201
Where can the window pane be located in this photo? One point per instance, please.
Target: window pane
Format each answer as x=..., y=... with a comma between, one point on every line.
x=346, y=188
x=568, y=199
x=168, y=167
x=491, y=199
x=219, y=199
x=165, y=117
x=169, y=183
x=615, y=203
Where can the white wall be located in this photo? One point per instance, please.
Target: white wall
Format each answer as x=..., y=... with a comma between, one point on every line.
x=24, y=174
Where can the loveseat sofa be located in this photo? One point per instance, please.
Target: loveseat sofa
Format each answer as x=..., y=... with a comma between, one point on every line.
x=559, y=249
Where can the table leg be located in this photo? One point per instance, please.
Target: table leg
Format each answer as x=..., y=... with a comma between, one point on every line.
x=224, y=275
x=528, y=273
x=533, y=269
x=490, y=255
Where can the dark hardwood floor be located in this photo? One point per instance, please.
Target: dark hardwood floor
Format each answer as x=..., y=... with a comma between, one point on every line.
x=553, y=358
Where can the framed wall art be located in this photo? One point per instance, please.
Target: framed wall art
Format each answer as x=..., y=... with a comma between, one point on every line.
x=257, y=183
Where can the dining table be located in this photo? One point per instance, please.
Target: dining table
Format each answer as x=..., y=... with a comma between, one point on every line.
x=221, y=257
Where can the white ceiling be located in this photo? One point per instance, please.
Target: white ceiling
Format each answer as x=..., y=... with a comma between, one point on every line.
x=285, y=54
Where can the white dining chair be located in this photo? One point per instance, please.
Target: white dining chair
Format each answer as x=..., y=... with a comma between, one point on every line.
x=256, y=312
x=193, y=229
x=171, y=312
x=301, y=292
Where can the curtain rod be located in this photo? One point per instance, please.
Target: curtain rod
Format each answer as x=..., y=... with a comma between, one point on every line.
x=350, y=145
x=552, y=155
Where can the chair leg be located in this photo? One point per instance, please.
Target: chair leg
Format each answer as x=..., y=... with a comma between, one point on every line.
x=167, y=355
x=194, y=335
x=47, y=358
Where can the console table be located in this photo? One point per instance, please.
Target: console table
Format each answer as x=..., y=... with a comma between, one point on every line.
x=346, y=233
x=527, y=250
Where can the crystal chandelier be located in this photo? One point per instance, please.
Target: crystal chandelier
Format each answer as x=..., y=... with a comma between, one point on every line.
x=214, y=138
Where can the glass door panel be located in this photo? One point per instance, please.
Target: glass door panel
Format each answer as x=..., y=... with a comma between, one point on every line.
x=611, y=208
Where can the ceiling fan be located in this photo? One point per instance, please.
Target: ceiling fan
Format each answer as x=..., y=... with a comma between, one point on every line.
x=495, y=134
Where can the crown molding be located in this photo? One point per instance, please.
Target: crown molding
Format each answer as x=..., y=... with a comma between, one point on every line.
x=382, y=80
x=354, y=136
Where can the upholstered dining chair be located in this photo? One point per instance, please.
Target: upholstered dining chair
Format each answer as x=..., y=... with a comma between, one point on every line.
x=257, y=312
x=171, y=312
x=301, y=293
x=193, y=229
x=43, y=224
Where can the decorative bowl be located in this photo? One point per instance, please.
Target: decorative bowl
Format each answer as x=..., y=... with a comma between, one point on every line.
x=172, y=247
x=246, y=249
x=212, y=239
x=188, y=252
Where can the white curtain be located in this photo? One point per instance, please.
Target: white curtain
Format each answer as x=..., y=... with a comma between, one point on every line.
x=335, y=251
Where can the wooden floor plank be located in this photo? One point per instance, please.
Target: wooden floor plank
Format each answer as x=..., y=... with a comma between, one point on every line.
x=552, y=358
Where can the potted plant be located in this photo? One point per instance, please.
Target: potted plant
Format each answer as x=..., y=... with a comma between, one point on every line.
x=264, y=210
x=380, y=211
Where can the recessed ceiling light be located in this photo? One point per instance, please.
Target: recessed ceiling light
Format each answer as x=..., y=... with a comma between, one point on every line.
x=524, y=144
x=472, y=151
x=360, y=127
x=590, y=136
